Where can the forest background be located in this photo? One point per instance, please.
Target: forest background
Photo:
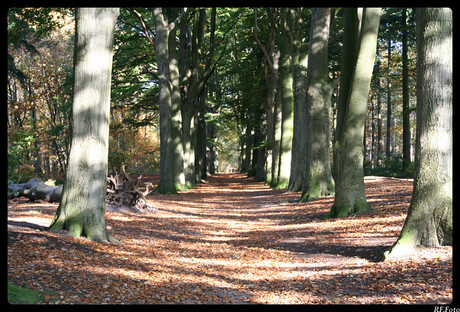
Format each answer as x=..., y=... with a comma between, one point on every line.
x=40, y=69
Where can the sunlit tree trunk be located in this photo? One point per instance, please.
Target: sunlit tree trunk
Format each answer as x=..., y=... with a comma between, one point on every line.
x=82, y=207
x=359, y=49
x=273, y=123
x=429, y=220
x=318, y=178
x=405, y=91
x=287, y=111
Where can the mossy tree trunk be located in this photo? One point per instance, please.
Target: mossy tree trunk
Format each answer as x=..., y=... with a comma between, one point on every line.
x=82, y=207
x=429, y=220
x=357, y=64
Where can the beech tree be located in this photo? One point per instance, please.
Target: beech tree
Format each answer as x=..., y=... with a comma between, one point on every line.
x=82, y=207
x=171, y=162
x=360, y=42
x=429, y=220
x=286, y=100
x=318, y=179
x=299, y=50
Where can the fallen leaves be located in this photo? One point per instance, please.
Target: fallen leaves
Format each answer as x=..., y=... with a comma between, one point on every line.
x=231, y=240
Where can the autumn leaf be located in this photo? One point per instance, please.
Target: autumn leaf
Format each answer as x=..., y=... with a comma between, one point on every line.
x=197, y=250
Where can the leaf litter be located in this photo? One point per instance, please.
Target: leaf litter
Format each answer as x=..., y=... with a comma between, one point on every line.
x=231, y=241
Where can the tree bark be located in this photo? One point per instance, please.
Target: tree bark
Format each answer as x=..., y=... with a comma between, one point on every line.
x=389, y=118
x=318, y=178
x=287, y=111
x=299, y=140
x=82, y=207
x=167, y=173
x=405, y=91
x=172, y=156
x=273, y=118
x=176, y=114
x=350, y=195
x=429, y=221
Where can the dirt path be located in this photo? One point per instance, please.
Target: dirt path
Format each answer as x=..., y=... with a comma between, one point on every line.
x=232, y=240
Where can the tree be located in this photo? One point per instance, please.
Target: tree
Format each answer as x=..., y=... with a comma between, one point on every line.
x=82, y=207
x=271, y=109
x=299, y=49
x=318, y=179
x=169, y=101
x=357, y=64
x=405, y=91
x=429, y=220
x=286, y=95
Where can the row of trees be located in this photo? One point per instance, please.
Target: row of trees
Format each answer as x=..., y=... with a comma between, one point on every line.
x=40, y=77
x=273, y=84
x=40, y=73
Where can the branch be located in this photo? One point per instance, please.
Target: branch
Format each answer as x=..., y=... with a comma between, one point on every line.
x=267, y=57
x=208, y=72
x=144, y=26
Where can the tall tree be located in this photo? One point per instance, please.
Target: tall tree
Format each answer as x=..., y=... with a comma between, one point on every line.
x=299, y=50
x=429, y=220
x=170, y=139
x=82, y=207
x=389, y=106
x=357, y=64
x=318, y=179
x=405, y=91
x=286, y=93
x=272, y=109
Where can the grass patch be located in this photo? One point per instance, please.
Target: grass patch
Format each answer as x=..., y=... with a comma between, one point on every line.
x=20, y=295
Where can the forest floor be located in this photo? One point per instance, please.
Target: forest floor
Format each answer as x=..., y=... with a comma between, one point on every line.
x=231, y=240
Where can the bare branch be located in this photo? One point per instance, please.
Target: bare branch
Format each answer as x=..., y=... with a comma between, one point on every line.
x=144, y=26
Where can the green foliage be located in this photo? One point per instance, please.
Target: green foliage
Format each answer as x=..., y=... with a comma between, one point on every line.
x=39, y=87
x=391, y=167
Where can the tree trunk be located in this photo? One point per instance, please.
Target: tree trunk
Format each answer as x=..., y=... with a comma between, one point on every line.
x=379, y=116
x=318, y=179
x=200, y=146
x=167, y=184
x=299, y=140
x=350, y=195
x=272, y=121
x=405, y=90
x=176, y=115
x=82, y=207
x=287, y=113
x=389, y=121
x=172, y=176
x=429, y=220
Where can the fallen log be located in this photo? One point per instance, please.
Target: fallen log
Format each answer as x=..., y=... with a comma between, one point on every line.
x=35, y=189
x=124, y=194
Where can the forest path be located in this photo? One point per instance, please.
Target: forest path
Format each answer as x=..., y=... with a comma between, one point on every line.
x=232, y=240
